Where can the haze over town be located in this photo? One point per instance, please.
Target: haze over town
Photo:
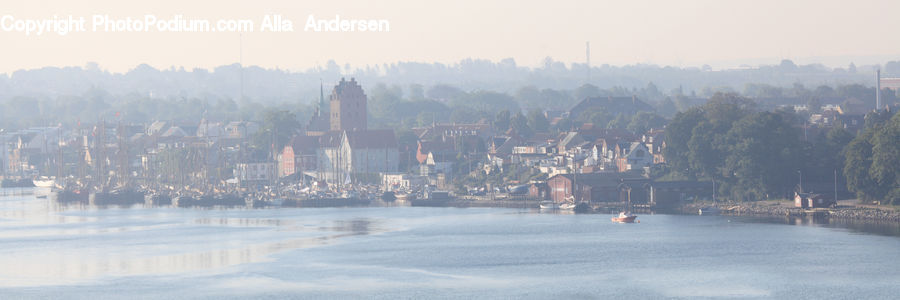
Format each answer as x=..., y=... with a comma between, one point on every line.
x=467, y=149
x=722, y=34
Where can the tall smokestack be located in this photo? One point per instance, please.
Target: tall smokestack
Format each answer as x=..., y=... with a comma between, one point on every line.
x=587, y=55
x=877, y=89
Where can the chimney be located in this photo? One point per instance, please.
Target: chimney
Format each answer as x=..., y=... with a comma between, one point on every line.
x=877, y=89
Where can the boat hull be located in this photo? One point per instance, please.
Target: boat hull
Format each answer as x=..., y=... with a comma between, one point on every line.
x=43, y=183
x=549, y=205
x=628, y=219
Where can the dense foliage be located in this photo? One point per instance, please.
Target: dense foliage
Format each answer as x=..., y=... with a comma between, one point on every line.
x=872, y=165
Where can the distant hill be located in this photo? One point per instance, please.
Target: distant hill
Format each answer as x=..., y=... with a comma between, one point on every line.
x=274, y=85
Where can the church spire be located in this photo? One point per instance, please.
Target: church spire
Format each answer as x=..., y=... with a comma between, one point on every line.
x=321, y=98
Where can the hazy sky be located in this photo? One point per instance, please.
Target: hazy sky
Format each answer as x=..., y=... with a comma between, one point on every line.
x=682, y=33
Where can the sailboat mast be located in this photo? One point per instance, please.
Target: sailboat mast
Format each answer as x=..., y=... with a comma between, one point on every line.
x=714, y=192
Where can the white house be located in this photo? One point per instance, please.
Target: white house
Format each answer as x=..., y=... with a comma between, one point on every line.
x=636, y=157
x=360, y=155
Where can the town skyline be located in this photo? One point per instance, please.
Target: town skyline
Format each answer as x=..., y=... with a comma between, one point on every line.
x=524, y=149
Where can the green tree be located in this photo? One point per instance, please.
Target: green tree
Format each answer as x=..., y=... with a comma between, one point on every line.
x=667, y=107
x=678, y=134
x=886, y=160
x=529, y=96
x=754, y=155
x=519, y=123
x=704, y=154
x=416, y=92
x=763, y=155
x=502, y=121
x=643, y=121
x=445, y=92
x=814, y=105
x=723, y=109
x=462, y=114
x=858, y=161
x=277, y=128
x=873, y=161
x=537, y=121
x=586, y=91
x=487, y=101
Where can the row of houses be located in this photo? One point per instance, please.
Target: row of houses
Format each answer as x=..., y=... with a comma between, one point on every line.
x=585, y=150
x=105, y=150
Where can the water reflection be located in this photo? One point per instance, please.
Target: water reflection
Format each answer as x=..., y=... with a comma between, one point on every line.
x=59, y=267
x=860, y=226
x=46, y=244
x=245, y=222
x=356, y=226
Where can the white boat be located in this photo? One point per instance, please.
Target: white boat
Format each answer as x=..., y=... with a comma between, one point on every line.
x=549, y=205
x=624, y=217
x=405, y=196
x=44, y=181
x=567, y=206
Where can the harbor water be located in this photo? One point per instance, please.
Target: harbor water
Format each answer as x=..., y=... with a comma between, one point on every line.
x=82, y=252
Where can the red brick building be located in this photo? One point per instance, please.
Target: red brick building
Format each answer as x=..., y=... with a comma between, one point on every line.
x=348, y=106
x=299, y=155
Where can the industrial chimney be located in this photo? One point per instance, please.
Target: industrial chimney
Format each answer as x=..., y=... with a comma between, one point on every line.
x=877, y=89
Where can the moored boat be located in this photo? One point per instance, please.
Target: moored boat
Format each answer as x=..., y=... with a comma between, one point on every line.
x=549, y=205
x=567, y=206
x=388, y=196
x=433, y=199
x=44, y=181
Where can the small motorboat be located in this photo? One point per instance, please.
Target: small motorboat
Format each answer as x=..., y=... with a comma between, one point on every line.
x=567, y=206
x=549, y=205
x=44, y=181
x=624, y=217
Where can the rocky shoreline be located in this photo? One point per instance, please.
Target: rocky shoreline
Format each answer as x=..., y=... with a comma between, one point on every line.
x=776, y=209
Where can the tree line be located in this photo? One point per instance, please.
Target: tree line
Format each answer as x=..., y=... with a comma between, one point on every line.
x=755, y=155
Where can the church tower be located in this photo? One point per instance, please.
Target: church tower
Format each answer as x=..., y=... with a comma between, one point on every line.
x=348, y=106
x=319, y=122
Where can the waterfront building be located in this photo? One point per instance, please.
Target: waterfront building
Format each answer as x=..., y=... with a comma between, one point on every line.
x=348, y=106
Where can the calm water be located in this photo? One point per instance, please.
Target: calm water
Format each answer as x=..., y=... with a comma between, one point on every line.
x=51, y=252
